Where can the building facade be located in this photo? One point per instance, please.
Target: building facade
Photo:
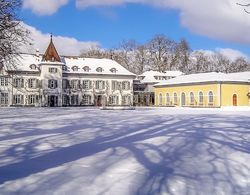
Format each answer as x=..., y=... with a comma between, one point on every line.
x=52, y=80
x=144, y=93
x=205, y=90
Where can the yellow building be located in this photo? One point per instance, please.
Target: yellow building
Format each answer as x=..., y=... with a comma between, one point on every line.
x=205, y=90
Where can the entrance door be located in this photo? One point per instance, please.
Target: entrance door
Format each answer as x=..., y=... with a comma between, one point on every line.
x=52, y=100
x=99, y=100
x=183, y=99
x=234, y=100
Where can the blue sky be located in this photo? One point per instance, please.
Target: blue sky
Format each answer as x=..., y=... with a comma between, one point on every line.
x=109, y=25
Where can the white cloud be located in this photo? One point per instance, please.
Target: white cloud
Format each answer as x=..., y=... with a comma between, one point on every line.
x=64, y=45
x=44, y=7
x=232, y=54
x=223, y=19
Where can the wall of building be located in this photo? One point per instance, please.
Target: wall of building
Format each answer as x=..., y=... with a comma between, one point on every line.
x=187, y=89
x=241, y=90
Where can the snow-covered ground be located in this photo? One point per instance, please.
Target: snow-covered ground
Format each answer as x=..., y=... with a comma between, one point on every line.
x=87, y=151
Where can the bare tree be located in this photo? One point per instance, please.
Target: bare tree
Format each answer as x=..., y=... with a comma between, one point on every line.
x=161, y=49
x=12, y=34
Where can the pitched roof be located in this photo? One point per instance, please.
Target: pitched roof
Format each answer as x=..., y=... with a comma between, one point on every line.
x=92, y=63
x=51, y=53
x=207, y=77
x=149, y=76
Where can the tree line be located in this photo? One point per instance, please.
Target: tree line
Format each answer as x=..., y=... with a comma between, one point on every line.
x=162, y=53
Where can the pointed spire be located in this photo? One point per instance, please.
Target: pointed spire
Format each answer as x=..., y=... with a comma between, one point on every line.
x=51, y=53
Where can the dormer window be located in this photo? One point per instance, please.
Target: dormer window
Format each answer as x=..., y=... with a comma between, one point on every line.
x=33, y=67
x=99, y=69
x=113, y=70
x=86, y=69
x=75, y=68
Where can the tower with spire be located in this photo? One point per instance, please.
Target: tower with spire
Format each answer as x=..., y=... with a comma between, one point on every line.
x=51, y=54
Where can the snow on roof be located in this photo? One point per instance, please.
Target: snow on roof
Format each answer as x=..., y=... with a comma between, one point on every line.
x=207, y=77
x=108, y=66
x=149, y=76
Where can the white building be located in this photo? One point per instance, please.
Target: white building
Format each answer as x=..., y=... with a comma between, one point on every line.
x=51, y=80
x=144, y=85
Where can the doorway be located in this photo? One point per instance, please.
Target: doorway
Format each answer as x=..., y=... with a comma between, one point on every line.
x=99, y=99
x=234, y=100
x=52, y=101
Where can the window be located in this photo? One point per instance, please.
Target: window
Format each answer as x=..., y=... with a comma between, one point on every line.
x=86, y=69
x=3, y=81
x=53, y=70
x=126, y=85
x=75, y=84
x=31, y=99
x=86, y=100
x=18, y=83
x=65, y=100
x=175, y=99
x=126, y=100
x=200, y=98
x=4, y=98
x=113, y=70
x=32, y=83
x=86, y=84
x=160, y=99
x=99, y=69
x=18, y=99
x=74, y=100
x=75, y=68
x=65, y=84
x=210, y=97
x=100, y=84
x=167, y=99
x=52, y=84
x=183, y=99
x=192, y=98
x=113, y=100
x=115, y=85
x=64, y=67
x=32, y=66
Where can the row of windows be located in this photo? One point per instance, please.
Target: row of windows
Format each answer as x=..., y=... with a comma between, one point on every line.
x=87, y=100
x=18, y=99
x=87, y=69
x=99, y=84
x=183, y=98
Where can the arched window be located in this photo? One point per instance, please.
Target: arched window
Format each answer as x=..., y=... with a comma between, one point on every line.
x=192, y=98
x=175, y=99
x=200, y=98
x=86, y=69
x=183, y=99
x=210, y=97
x=99, y=69
x=167, y=99
x=160, y=99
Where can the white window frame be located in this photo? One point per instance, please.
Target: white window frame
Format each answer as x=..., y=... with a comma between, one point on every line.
x=86, y=99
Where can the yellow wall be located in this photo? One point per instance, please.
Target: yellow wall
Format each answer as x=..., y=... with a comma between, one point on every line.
x=222, y=94
x=187, y=89
x=241, y=90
